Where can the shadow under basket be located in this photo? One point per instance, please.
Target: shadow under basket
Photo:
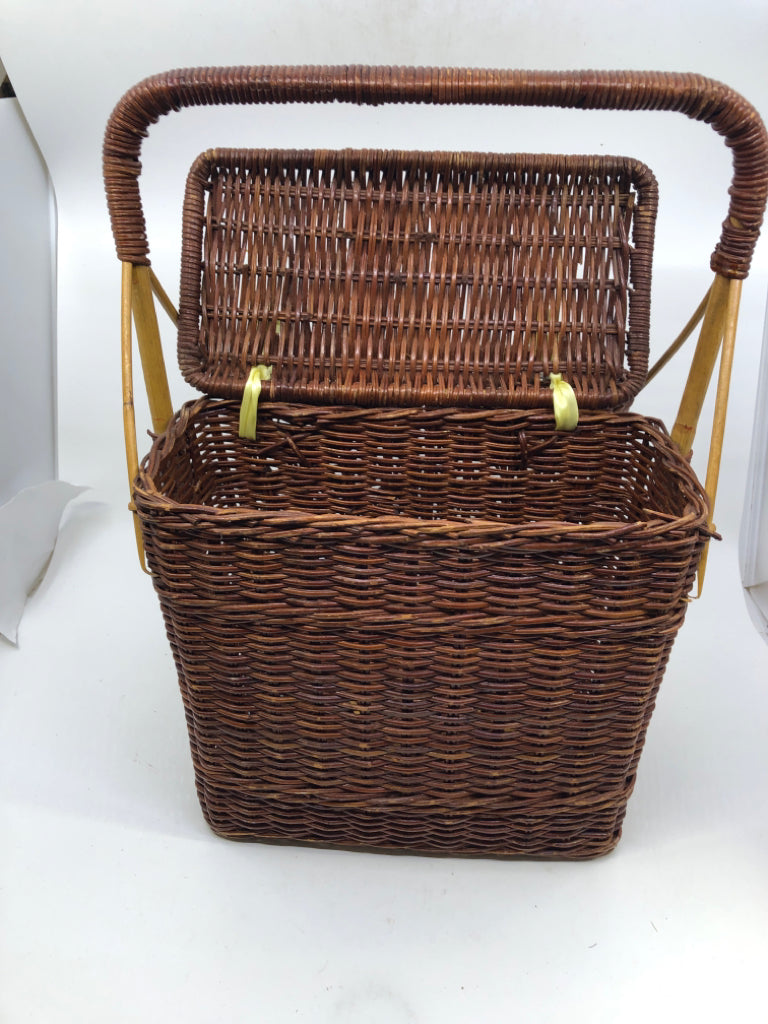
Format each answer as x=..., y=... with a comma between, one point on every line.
x=432, y=629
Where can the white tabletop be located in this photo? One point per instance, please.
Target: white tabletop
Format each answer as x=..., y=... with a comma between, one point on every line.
x=118, y=904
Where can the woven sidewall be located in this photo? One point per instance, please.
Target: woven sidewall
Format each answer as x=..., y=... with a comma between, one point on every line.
x=436, y=630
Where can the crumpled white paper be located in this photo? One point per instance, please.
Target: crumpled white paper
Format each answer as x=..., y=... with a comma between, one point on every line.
x=29, y=526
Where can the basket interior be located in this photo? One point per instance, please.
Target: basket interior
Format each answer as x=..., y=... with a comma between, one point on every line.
x=426, y=464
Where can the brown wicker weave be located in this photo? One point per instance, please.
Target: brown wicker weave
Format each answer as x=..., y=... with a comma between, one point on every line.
x=373, y=278
x=410, y=613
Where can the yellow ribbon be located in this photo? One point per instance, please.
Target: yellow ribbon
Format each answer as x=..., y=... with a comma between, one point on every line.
x=564, y=401
x=250, y=405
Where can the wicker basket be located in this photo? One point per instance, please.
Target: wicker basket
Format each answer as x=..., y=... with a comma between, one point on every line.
x=410, y=613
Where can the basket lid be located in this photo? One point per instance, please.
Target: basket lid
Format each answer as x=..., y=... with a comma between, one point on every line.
x=394, y=278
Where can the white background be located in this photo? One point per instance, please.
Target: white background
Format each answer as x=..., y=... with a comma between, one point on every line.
x=116, y=902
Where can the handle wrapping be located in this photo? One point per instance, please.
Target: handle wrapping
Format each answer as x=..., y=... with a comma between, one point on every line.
x=701, y=99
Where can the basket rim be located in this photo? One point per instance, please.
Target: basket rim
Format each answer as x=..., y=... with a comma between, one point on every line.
x=150, y=499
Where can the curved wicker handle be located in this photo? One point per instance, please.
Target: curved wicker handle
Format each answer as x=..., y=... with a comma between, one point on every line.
x=699, y=98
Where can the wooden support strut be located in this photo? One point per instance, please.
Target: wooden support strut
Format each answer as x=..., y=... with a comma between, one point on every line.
x=129, y=415
x=150, y=349
x=719, y=326
x=680, y=340
x=162, y=297
x=702, y=366
x=137, y=300
x=721, y=406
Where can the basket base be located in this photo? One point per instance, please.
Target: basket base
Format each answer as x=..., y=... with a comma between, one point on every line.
x=568, y=836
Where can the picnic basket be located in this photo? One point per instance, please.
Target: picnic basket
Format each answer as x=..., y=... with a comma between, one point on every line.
x=406, y=609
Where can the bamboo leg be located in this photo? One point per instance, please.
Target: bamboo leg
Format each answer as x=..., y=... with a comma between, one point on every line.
x=150, y=349
x=702, y=366
x=129, y=416
x=721, y=408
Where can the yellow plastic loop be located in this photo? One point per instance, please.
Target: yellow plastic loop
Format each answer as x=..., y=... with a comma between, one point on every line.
x=564, y=401
x=249, y=407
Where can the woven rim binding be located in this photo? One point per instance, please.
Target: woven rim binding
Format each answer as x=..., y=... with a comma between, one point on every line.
x=701, y=99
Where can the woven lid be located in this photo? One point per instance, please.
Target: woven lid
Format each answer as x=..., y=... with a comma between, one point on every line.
x=391, y=278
